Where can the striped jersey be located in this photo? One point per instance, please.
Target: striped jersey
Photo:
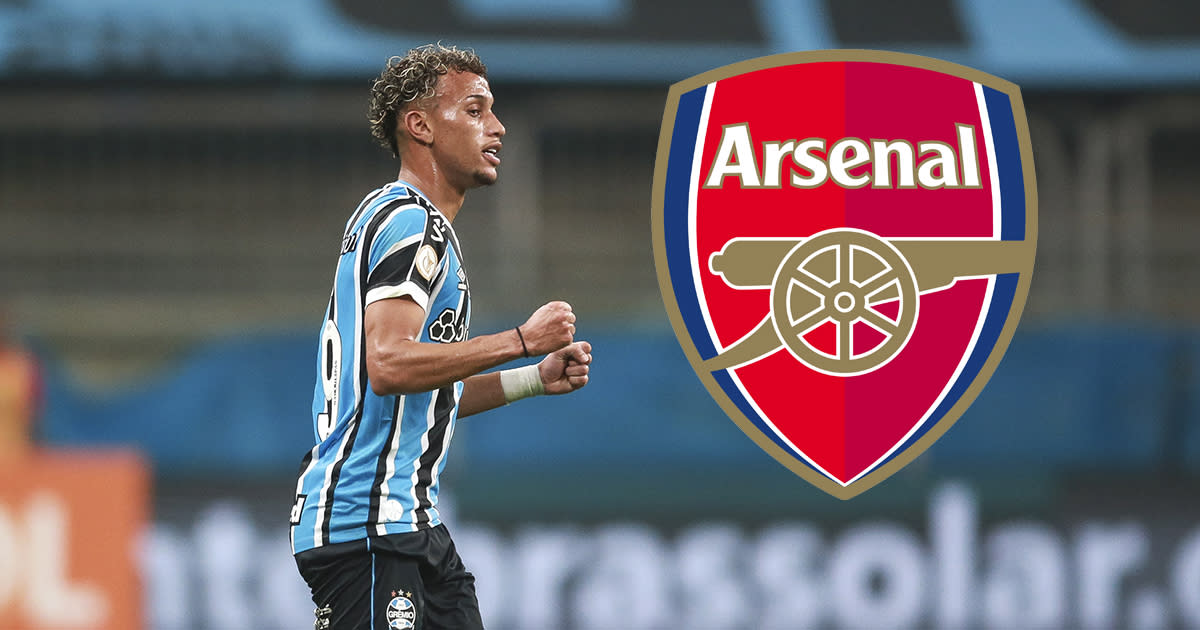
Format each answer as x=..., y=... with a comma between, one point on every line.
x=374, y=470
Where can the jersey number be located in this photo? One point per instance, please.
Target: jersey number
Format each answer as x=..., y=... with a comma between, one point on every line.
x=331, y=377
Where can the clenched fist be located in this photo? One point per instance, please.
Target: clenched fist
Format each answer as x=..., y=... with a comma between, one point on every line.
x=549, y=328
x=566, y=369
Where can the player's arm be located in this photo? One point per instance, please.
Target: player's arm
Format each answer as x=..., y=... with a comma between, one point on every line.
x=562, y=371
x=399, y=363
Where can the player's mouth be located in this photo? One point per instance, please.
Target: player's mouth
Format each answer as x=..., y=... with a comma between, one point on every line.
x=492, y=154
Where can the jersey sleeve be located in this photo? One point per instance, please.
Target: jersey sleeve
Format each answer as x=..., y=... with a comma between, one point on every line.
x=407, y=256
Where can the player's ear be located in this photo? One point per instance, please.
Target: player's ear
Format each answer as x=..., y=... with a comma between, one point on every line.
x=415, y=122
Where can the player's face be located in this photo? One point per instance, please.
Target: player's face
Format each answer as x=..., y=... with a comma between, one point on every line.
x=466, y=141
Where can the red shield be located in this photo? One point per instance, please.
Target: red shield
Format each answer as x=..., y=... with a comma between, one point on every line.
x=844, y=242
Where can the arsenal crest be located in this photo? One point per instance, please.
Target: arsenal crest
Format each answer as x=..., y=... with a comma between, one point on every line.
x=844, y=242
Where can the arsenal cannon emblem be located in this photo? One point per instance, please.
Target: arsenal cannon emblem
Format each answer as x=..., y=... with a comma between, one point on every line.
x=844, y=242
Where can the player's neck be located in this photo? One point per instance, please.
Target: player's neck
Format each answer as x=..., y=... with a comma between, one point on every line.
x=446, y=197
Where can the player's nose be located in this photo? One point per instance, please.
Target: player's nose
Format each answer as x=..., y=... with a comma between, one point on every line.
x=497, y=128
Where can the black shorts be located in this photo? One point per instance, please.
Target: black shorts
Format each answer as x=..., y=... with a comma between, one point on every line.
x=412, y=581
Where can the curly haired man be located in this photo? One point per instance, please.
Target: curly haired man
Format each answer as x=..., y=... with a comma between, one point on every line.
x=397, y=368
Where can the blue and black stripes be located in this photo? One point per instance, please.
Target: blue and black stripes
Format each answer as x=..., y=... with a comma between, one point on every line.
x=376, y=467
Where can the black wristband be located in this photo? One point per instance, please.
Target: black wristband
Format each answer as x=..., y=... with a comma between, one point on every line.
x=522, y=338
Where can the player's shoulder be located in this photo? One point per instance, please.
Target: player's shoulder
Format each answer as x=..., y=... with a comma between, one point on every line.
x=383, y=200
x=408, y=200
x=393, y=206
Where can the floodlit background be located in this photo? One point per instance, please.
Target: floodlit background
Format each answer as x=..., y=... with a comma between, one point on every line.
x=174, y=179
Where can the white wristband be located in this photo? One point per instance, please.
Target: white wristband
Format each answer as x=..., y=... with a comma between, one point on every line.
x=521, y=382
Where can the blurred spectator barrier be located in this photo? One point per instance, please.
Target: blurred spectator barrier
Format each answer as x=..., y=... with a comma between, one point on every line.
x=1065, y=398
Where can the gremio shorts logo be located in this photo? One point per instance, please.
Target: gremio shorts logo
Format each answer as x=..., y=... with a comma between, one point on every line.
x=401, y=614
x=844, y=242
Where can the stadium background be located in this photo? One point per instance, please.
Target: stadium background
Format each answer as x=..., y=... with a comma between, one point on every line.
x=174, y=178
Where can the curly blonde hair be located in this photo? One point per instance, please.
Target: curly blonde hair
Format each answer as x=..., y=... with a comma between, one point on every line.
x=413, y=78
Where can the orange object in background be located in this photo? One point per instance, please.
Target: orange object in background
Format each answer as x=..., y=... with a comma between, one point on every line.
x=70, y=522
x=19, y=398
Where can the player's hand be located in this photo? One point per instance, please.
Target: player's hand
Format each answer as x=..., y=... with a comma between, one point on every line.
x=566, y=370
x=549, y=328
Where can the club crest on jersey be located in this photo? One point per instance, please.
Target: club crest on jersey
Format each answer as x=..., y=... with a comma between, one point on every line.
x=844, y=242
x=401, y=614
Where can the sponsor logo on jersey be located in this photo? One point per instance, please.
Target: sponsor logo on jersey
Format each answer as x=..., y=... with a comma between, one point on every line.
x=393, y=510
x=298, y=509
x=426, y=261
x=349, y=243
x=449, y=327
x=844, y=243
